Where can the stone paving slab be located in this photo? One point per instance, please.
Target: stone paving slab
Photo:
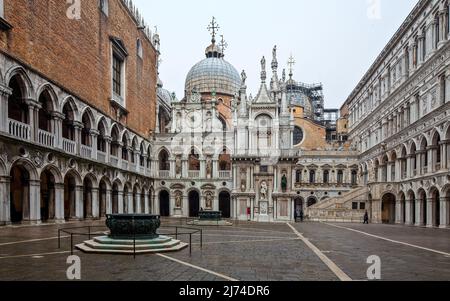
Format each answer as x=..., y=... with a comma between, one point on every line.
x=350, y=250
x=245, y=251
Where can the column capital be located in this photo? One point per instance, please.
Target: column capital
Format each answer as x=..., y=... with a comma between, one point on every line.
x=77, y=125
x=5, y=91
x=57, y=115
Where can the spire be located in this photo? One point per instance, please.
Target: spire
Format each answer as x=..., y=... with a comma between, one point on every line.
x=263, y=70
x=274, y=83
x=223, y=45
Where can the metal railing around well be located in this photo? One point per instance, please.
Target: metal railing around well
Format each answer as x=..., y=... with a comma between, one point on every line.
x=90, y=231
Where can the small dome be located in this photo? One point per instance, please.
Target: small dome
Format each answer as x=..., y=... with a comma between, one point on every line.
x=165, y=96
x=213, y=74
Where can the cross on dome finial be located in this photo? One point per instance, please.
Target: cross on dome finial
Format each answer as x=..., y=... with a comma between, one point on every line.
x=223, y=45
x=291, y=64
x=213, y=27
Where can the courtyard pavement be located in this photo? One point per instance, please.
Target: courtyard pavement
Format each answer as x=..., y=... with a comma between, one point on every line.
x=245, y=251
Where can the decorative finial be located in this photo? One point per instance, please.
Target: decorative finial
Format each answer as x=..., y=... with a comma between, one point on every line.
x=223, y=45
x=263, y=69
x=291, y=64
x=284, y=75
x=213, y=27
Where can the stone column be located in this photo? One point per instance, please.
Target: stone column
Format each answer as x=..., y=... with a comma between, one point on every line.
x=59, y=202
x=35, y=202
x=57, y=128
x=146, y=204
x=215, y=167
x=78, y=126
x=79, y=209
x=122, y=199
x=398, y=212
x=419, y=217
x=444, y=154
x=431, y=213
x=108, y=140
x=445, y=212
x=94, y=135
x=5, y=206
x=5, y=92
x=408, y=210
x=95, y=203
x=108, y=202
x=202, y=168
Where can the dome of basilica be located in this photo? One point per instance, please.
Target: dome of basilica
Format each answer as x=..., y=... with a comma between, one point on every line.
x=213, y=74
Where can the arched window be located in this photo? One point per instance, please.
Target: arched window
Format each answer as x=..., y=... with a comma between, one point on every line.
x=354, y=177
x=224, y=161
x=312, y=177
x=45, y=117
x=68, y=130
x=101, y=142
x=141, y=155
x=264, y=133
x=124, y=148
x=340, y=177
x=298, y=176
x=326, y=176
x=139, y=50
x=86, y=132
x=115, y=143
x=164, y=163
x=17, y=108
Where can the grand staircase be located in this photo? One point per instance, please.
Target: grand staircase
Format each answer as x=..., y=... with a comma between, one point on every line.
x=339, y=209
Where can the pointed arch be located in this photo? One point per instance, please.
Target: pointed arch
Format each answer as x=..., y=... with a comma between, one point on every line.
x=27, y=88
x=54, y=170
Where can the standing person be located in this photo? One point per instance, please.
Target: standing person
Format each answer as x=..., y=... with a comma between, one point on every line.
x=366, y=218
x=302, y=216
x=249, y=214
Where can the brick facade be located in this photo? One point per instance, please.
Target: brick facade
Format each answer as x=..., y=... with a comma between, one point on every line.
x=76, y=54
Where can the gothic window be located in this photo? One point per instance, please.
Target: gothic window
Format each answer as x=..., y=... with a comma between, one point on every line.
x=298, y=136
x=298, y=176
x=326, y=176
x=118, y=67
x=164, y=163
x=340, y=177
x=312, y=177
x=194, y=161
x=139, y=50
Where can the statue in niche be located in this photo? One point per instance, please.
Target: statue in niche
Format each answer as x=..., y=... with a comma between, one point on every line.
x=178, y=199
x=209, y=200
x=243, y=185
x=284, y=183
x=263, y=190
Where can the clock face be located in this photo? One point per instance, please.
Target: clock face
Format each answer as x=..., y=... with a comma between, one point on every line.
x=194, y=120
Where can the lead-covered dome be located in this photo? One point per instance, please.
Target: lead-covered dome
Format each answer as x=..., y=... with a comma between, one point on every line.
x=213, y=74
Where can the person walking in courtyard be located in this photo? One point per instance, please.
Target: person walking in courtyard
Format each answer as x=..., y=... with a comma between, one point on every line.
x=366, y=218
x=302, y=216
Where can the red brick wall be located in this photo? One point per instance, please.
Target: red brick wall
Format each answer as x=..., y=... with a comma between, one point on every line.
x=77, y=53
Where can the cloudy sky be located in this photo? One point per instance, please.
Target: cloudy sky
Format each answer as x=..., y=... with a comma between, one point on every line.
x=333, y=41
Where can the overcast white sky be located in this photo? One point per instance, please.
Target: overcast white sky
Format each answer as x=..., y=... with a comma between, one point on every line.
x=333, y=41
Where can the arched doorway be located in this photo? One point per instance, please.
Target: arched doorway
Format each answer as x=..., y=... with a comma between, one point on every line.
x=115, y=199
x=388, y=209
x=225, y=204
x=164, y=203
x=47, y=196
x=312, y=201
x=69, y=197
x=102, y=199
x=194, y=204
x=19, y=194
x=87, y=198
x=298, y=207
